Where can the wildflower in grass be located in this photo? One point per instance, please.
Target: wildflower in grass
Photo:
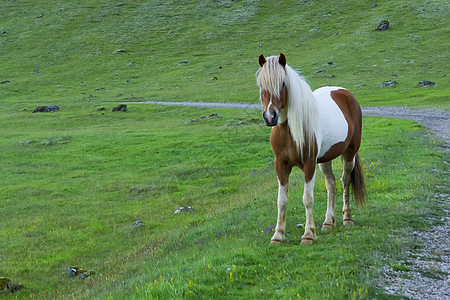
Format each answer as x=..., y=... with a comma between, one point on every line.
x=268, y=229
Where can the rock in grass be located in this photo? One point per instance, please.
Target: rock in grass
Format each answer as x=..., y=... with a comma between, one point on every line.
x=7, y=285
x=384, y=25
x=426, y=82
x=389, y=83
x=48, y=108
x=121, y=107
x=4, y=283
x=213, y=115
x=182, y=208
x=137, y=223
x=76, y=271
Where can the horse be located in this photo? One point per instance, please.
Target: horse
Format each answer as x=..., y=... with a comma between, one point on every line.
x=310, y=128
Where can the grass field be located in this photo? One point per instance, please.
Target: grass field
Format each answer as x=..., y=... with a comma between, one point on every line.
x=76, y=180
x=77, y=49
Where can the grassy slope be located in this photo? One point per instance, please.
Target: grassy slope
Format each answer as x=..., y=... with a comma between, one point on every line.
x=75, y=180
x=74, y=46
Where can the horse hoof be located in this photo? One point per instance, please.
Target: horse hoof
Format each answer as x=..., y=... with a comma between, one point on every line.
x=326, y=227
x=274, y=242
x=348, y=223
x=307, y=242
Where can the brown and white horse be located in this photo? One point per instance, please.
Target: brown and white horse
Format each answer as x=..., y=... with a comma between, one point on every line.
x=310, y=128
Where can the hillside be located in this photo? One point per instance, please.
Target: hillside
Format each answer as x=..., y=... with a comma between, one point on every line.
x=178, y=202
x=93, y=51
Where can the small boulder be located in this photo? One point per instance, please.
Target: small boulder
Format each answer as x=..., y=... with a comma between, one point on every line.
x=213, y=115
x=389, y=83
x=47, y=108
x=137, y=223
x=183, y=208
x=426, y=82
x=384, y=25
x=76, y=271
x=121, y=107
x=4, y=283
x=8, y=286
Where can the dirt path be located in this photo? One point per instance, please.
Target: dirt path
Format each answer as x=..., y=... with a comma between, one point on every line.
x=428, y=276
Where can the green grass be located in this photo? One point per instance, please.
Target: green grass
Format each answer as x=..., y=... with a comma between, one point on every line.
x=74, y=46
x=74, y=181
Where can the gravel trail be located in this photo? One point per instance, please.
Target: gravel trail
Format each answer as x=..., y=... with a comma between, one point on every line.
x=428, y=273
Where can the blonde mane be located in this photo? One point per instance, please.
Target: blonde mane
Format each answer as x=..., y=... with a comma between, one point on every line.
x=302, y=112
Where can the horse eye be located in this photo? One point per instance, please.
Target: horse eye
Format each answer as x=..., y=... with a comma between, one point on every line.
x=284, y=84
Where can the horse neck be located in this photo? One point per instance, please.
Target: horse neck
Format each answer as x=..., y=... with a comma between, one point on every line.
x=302, y=114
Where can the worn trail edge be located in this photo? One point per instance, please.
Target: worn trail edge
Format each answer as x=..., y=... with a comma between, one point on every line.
x=434, y=258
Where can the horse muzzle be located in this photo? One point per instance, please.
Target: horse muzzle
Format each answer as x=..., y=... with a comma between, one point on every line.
x=271, y=119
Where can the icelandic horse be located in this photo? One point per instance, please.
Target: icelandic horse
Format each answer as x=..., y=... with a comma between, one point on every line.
x=310, y=128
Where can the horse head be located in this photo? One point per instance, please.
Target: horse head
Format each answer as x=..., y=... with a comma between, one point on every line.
x=272, y=81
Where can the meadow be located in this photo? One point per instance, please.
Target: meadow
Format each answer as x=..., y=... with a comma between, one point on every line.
x=98, y=189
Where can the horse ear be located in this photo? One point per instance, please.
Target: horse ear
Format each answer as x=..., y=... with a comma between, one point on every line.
x=282, y=60
x=262, y=60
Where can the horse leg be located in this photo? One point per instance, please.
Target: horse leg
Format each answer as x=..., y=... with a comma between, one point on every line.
x=283, y=172
x=308, y=201
x=330, y=182
x=348, y=168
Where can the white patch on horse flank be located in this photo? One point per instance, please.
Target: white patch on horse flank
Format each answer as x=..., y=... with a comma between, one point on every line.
x=333, y=127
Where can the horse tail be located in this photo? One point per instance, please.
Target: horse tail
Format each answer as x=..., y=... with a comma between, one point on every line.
x=358, y=181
